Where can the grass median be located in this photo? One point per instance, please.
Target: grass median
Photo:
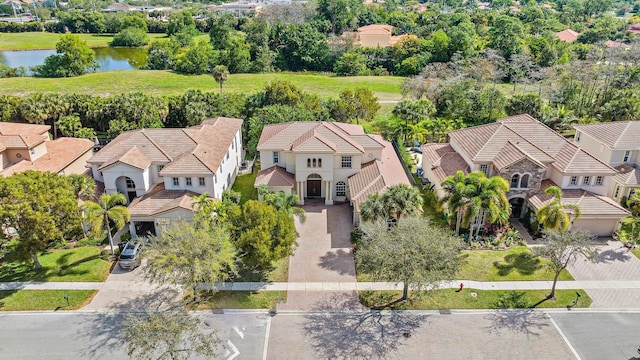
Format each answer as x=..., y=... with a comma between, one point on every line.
x=241, y=300
x=24, y=300
x=47, y=40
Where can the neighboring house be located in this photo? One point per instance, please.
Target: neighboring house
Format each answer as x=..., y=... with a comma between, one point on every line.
x=332, y=161
x=115, y=7
x=161, y=170
x=634, y=29
x=617, y=144
x=27, y=147
x=567, y=36
x=616, y=44
x=531, y=157
x=376, y=35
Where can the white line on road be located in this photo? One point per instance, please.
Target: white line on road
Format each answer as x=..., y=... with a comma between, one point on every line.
x=266, y=338
x=240, y=333
x=234, y=349
x=575, y=353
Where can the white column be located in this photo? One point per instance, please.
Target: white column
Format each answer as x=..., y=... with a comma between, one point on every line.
x=327, y=193
x=301, y=193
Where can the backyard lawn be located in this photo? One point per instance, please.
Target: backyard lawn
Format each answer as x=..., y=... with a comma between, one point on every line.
x=483, y=299
x=78, y=264
x=244, y=185
x=515, y=264
x=168, y=82
x=23, y=300
x=46, y=40
x=242, y=300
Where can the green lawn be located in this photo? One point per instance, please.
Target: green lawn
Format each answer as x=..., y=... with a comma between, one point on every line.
x=23, y=300
x=242, y=300
x=485, y=299
x=636, y=253
x=167, y=82
x=244, y=185
x=515, y=264
x=79, y=264
x=45, y=40
x=279, y=273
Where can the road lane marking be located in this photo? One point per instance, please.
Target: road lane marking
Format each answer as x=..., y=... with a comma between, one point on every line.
x=575, y=353
x=234, y=349
x=266, y=338
x=240, y=333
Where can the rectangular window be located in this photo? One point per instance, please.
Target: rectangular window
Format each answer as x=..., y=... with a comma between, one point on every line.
x=586, y=180
x=227, y=154
x=276, y=157
x=160, y=167
x=201, y=181
x=33, y=152
x=599, y=180
x=188, y=181
x=176, y=181
x=346, y=162
x=617, y=192
x=577, y=136
x=485, y=169
x=130, y=184
x=341, y=188
x=627, y=154
x=574, y=180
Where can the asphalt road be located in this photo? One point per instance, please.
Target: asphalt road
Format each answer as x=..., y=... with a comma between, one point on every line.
x=601, y=335
x=94, y=335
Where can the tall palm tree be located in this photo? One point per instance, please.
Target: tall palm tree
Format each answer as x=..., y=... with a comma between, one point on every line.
x=220, y=75
x=490, y=200
x=400, y=200
x=109, y=209
x=373, y=209
x=288, y=203
x=83, y=186
x=554, y=214
x=457, y=196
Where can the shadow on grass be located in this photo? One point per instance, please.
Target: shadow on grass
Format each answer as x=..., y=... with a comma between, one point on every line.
x=13, y=270
x=358, y=333
x=5, y=294
x=524, y=263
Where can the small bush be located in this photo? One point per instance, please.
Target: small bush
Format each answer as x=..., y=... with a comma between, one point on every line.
x=511, y=300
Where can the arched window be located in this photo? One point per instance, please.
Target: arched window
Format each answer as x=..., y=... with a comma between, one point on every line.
x=341, y=188
x=308, y=162
x=319, y=162
x=515, y=181
x=524, y=182
x=314, y=162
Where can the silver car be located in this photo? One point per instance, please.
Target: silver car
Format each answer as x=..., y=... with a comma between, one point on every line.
x=130, y=255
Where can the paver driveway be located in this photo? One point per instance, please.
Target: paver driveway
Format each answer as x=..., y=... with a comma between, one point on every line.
x=323, y=254
x=614, y=262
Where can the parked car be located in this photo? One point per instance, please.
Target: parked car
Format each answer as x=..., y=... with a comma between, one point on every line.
x=130, y=256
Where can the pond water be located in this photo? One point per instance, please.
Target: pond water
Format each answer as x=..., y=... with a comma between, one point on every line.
x=109, y=58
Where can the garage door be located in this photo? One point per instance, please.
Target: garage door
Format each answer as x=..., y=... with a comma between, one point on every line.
x=600, y=227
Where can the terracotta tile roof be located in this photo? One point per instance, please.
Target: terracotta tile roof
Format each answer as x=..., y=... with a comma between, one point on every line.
x=627, y=175
x=591, y=205
x=485, y=142
x=634, y=28
x=275, y=176
x=616, y=134
x=316, y=137
x=134, y=157
x=381, y=29
x=60, y=153
x=616, y=44
x=567, y=35
x=160, y=200
x=443, y=159
x=200, y=147
x=511, y=154
x=22, y=136
x=377, y=175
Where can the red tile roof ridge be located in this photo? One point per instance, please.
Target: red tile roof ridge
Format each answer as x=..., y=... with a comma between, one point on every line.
x=158, y=147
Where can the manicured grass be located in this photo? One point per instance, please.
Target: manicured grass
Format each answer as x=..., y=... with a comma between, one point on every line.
x=636, y=253
x=279, y=273
x=244, y=185
x=485, y=299
x=45, y=40
x=167, y=82
x=515, y=264
x=22, y=300
x=242, y=300
x=79, y=264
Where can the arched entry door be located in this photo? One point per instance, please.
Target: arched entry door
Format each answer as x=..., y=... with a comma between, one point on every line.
x=517, y=207
x=314, y=186
x=126, y=186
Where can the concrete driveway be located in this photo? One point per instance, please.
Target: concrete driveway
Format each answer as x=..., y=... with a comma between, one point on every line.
x=323, y=255
x=614, y=262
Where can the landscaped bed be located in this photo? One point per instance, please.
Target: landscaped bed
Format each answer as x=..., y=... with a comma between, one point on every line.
x=242, y=300
x=483, y=299
x=23, y=300
x=78, y=264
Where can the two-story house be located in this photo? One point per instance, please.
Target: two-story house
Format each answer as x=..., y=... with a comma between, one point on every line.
x=161, y=170
x=531, y=157
x=27, y=147
x=332, y=161
x=617, y=144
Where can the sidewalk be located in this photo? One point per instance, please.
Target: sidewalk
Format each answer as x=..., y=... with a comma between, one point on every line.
x=332, y=286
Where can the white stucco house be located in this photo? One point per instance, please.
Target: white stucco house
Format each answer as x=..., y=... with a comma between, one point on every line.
x=531, y=157
x=161, y=170
x=330, y=161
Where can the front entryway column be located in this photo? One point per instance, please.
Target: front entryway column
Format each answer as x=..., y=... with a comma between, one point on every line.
x=301, y=192
x=327, y=193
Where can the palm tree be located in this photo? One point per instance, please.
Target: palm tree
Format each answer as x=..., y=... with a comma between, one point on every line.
x=220, y=74
x=457, y=196
x=400, y=200
x=554, y=215
x=83, y=186
x=373, y=209
x=490, y=200
x=288, y=203
x=109, y=209
x=634, y=203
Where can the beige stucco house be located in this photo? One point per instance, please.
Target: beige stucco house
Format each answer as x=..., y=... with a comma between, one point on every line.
x=375, y=35
x=161, y=170
x=331, y=161
x=531, y=157
x=28, y=147
x=617, y=144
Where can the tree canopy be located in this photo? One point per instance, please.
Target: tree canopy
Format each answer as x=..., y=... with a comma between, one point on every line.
x=73, y=57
